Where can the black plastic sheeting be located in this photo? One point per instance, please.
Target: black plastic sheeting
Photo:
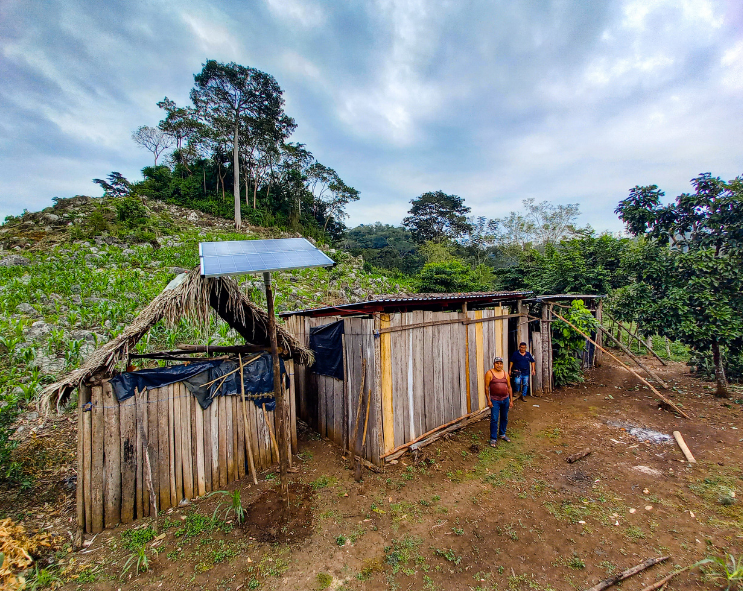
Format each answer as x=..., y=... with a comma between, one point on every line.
x=326, y=342
x=258, y=376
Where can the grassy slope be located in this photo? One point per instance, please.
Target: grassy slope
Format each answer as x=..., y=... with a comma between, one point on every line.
x=90, y=275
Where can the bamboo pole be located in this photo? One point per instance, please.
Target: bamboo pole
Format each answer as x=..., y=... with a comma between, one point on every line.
x=274, y=444
x=632, y=371
x=650, y=349
x=248, y=444
x=357, y=457
x=632, y=356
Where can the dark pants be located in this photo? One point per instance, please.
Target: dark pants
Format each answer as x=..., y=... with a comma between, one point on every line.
x=498, y=412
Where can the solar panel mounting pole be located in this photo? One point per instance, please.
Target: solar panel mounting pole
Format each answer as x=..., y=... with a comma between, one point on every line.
x=280, y=414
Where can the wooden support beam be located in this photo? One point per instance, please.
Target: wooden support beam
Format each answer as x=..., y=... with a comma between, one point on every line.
x=634, y=358
x=638, y=339
x=632, y=371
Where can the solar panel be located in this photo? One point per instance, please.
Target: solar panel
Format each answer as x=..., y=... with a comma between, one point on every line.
x=237, y=257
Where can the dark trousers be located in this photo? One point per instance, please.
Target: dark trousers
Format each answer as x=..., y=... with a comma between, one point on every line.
x=499, y=412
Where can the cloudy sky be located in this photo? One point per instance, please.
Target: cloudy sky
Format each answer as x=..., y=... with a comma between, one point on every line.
x=494, y=101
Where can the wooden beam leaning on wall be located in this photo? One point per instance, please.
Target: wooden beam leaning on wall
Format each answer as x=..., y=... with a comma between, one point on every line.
x=634, y=358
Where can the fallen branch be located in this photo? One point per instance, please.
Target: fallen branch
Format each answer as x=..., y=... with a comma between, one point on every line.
x=624, y=365
x=664, y=581
x=580, y=455
x=626, y=574
x=684, y=447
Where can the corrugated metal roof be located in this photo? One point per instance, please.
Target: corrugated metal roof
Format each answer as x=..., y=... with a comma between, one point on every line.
x=409, y=301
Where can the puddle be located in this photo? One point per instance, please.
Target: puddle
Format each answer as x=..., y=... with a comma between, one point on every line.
x=642, y=434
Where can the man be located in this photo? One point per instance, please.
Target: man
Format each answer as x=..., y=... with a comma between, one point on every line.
x=498, y=393
x=522, y=365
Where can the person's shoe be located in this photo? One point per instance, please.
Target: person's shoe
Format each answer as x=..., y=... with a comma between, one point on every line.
x=505, y=438
x=523, y=398
x=493, y=443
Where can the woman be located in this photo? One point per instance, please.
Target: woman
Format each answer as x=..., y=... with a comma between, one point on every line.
x=499, y=394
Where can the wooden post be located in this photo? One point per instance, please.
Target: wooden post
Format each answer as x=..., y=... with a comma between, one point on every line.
x=357, y=453
x=632, y=356
x=281, y=429
x=597, y=358
x=467, y=358
x=354, y=433
x=148, y=475
x=96, y=469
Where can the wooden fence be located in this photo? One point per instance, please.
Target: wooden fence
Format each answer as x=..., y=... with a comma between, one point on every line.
x=192, y=451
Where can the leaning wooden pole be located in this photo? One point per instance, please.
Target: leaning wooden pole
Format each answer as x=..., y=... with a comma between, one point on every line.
x=358, y=459
x=650, y=349
x=354, y=434
x=634, y=358
x=281, y=430
x=628, y=368
x=248, y=444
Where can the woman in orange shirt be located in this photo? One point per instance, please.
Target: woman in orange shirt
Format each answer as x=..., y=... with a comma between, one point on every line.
x=498, y=393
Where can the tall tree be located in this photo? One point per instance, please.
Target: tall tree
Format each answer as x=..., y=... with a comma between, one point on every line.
x=153, y=139
x=689, y=271
x=230, y=98
x=437, y=216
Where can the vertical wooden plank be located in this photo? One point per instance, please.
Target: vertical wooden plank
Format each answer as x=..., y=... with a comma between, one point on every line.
x=186, y=451
x=84, y=478
x=506, y=310
x=153, y=437
x=192, y=404
x=473, y=369
x=175, y=492
x=111, y=458
x=460, y=351
x=418, y=369
x=437, y=393
x=97, y=470
x=200, y=456
x=206, y=418
x=399, y=378
x=164, y=458
x=339, y=392
x=240, y=439
x=254, y=416
x=428, y=387
x=214, y=442
x=480, y=364
x=79, y=482
x=140, y=426
x=451, y=374
x=388, y=413
x=177, y=428
x=222, y=442
x=128, y=452
x=231, y=471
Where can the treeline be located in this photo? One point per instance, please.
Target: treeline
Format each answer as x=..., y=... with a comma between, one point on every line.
x=228, y=153
x=679, y=275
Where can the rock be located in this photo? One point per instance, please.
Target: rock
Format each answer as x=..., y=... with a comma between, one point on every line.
x=178, y=270
x=15, y=260
x=647, y=470
x=38, y=330
x=76, y=299
x=28, y=309
x=25, y=280
x=51, y=217
x=128, y=252
x=75, y=289
x=48, y=364
x=192, y=217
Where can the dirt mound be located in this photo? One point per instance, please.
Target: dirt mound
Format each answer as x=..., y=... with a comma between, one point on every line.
x=268, y=520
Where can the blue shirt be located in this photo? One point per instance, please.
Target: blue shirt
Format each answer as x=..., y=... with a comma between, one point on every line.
x=521, y=362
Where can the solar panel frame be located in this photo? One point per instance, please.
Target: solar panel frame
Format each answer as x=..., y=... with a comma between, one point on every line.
x=242, y=257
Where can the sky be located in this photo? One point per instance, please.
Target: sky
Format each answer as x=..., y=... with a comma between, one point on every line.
x=569, y=102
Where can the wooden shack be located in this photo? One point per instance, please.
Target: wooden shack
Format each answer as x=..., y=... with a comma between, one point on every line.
x=421, y=360
x=191, y=451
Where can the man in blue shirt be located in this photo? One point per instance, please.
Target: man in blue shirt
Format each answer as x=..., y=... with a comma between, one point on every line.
x=521, y=366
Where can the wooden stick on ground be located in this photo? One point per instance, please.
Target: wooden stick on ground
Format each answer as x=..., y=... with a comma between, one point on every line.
x=357, y=458
x=634, y=358
x=352, y=442
x=684, y=447
x=661, y=584
x=274, y=444
x=578, y=456
x=632, y=371
x=606, y=583
x=248, y=444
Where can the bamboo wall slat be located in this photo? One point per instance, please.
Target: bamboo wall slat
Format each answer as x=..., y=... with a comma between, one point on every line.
x=192, y=451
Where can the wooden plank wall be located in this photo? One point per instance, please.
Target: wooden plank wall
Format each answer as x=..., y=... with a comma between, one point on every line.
x=192, y=451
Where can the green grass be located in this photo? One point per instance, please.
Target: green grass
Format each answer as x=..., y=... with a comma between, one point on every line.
x=323, y=482
x=134, y=539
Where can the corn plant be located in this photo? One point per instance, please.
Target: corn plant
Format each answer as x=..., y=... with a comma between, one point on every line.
x=237, y=507
x=728, y=570
x=139, y=559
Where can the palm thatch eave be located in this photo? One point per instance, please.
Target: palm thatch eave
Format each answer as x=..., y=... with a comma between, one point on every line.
x=188, y=296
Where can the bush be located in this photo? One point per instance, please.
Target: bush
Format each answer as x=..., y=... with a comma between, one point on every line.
x=569, y=344
x=452, y=276
x=9, y=470
x=131, y=211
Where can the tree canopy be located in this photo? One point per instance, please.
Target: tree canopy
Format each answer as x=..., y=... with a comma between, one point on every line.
x=437, y=216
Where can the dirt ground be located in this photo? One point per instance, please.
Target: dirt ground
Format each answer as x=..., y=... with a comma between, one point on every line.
x=460, y=515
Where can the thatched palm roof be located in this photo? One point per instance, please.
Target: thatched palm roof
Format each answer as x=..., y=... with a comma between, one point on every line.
x=188, y=296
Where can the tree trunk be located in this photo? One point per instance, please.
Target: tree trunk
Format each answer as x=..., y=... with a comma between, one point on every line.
x=236, y=170
x=255, y=190
x=668, y=348
x=722, y=384
x=204, y=182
